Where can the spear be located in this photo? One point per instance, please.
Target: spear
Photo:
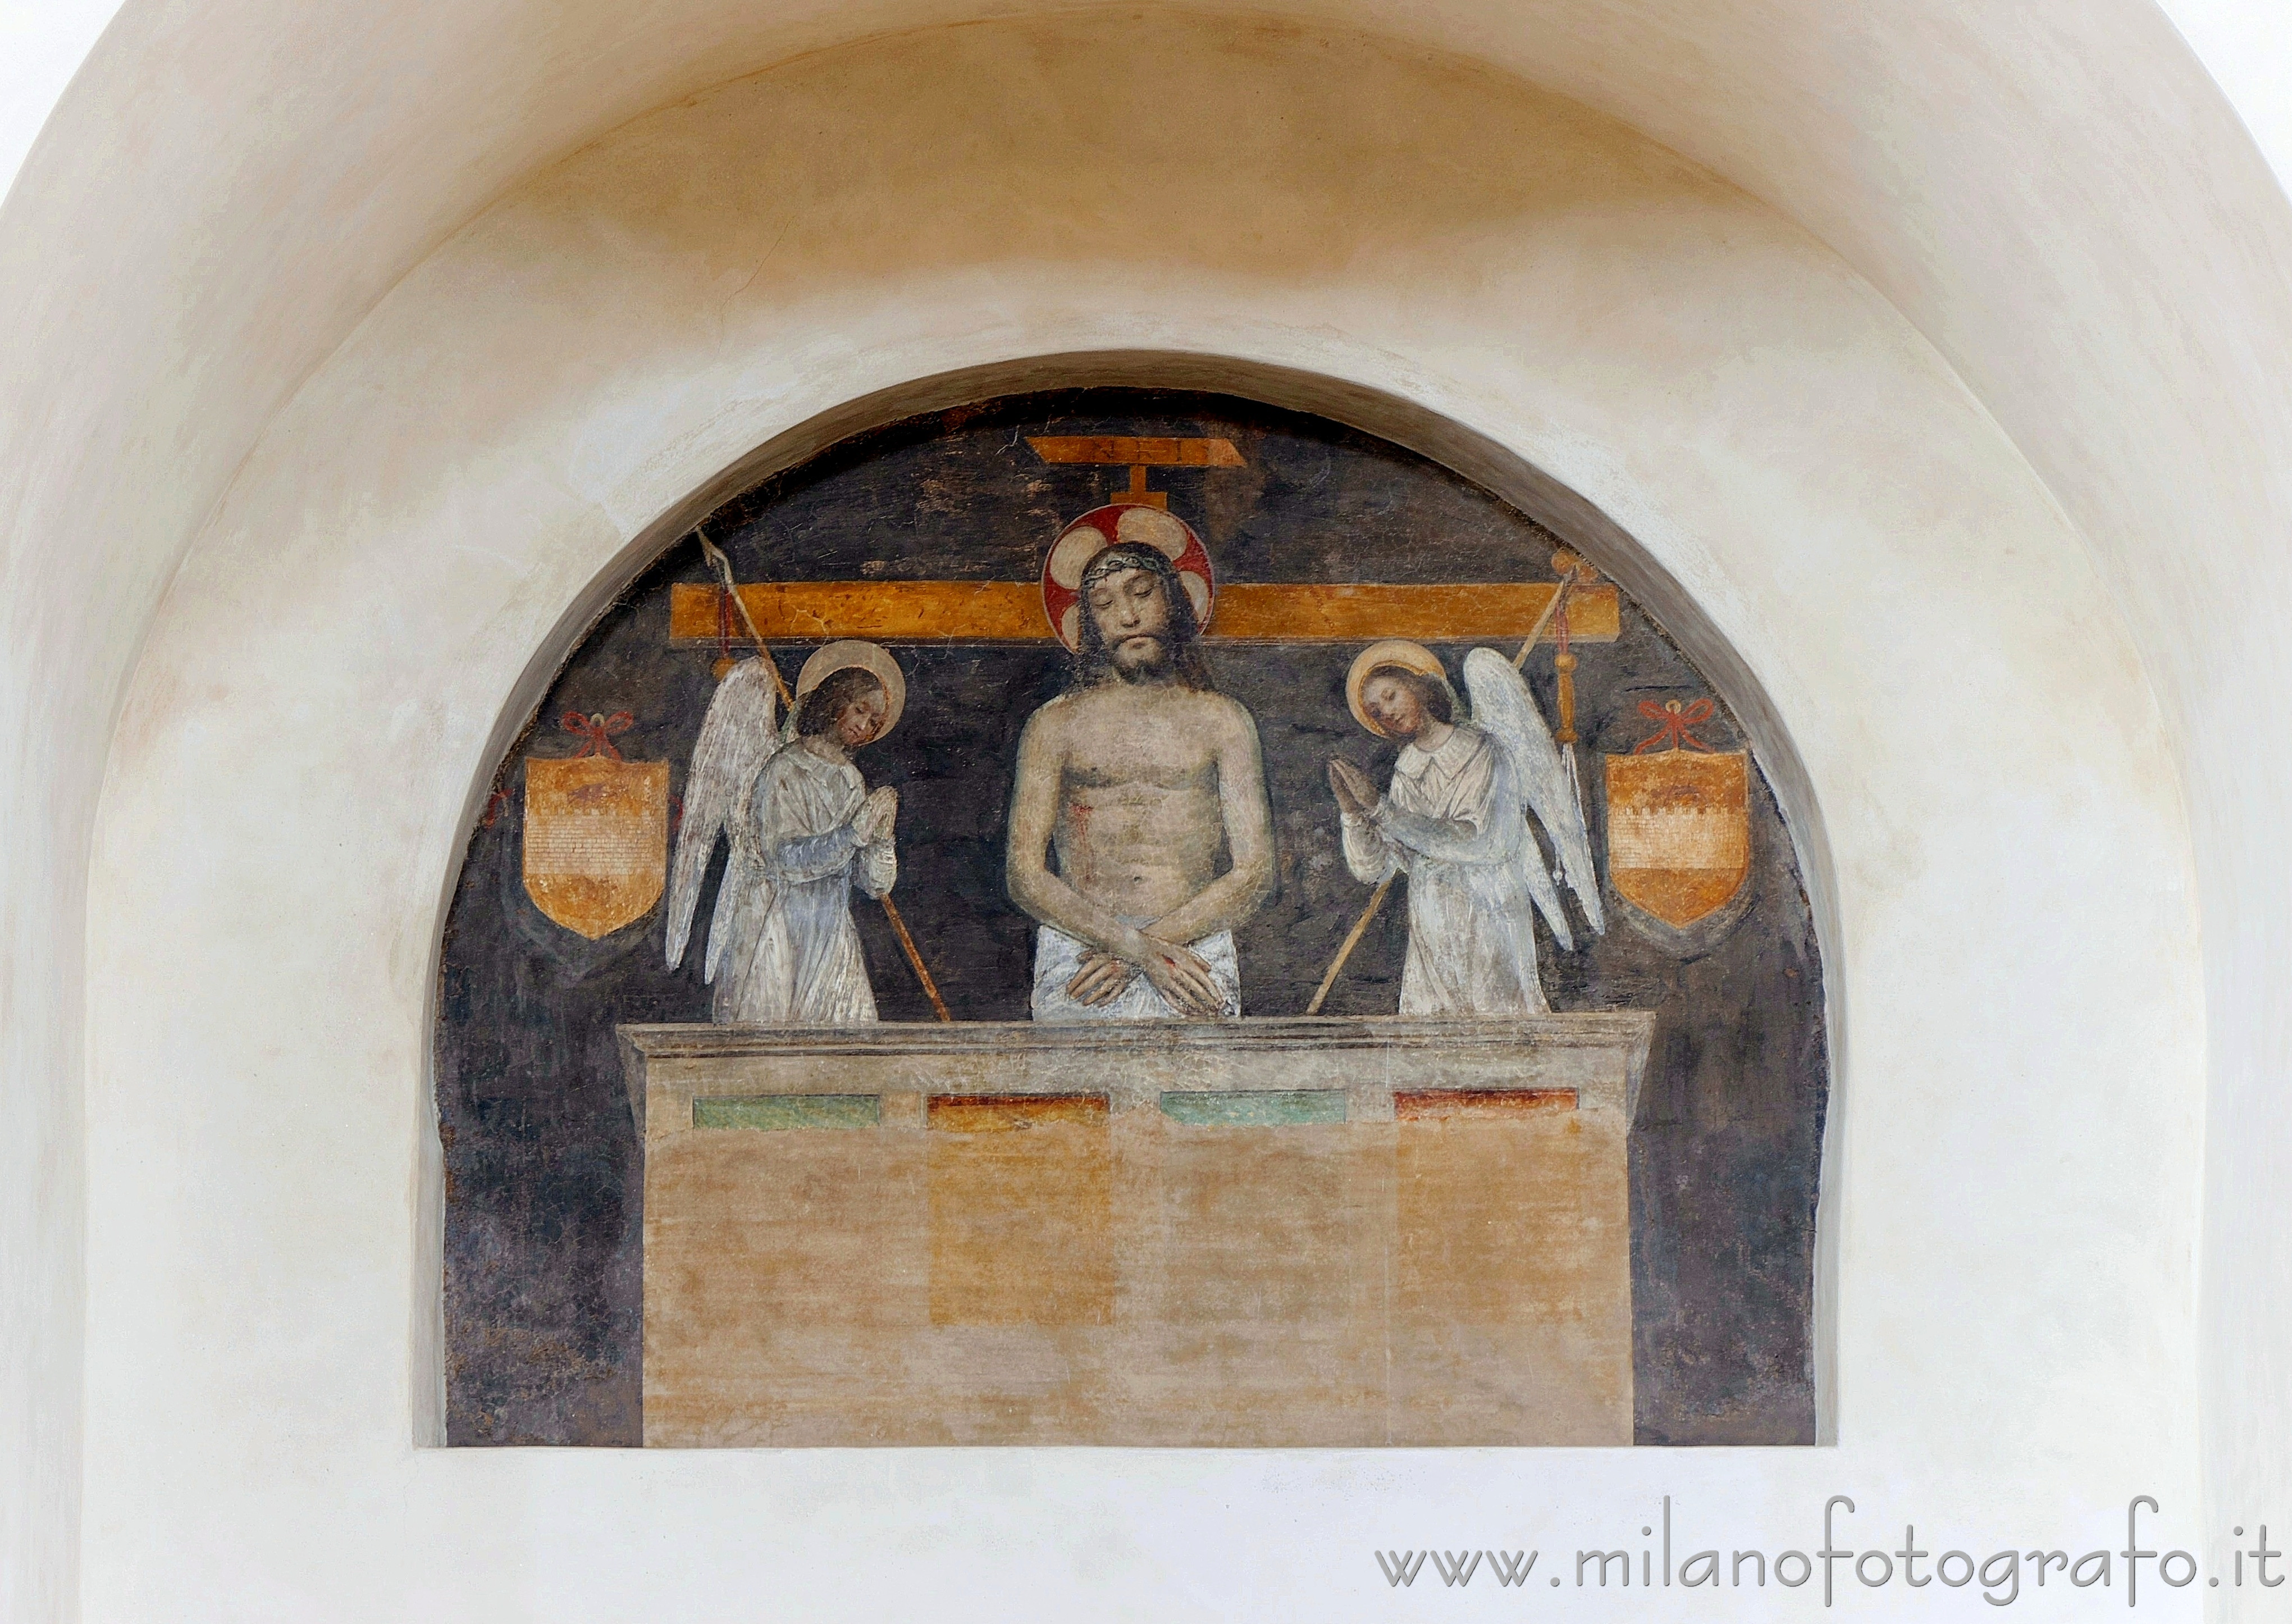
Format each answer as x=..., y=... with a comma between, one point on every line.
x=1564, y=667
x=1352, y=940
x=1551, y=609
x=724, y=567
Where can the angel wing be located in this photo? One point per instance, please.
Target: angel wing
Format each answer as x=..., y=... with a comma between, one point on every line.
x=738, y=735
x=1503, y=706
x=1546, y=894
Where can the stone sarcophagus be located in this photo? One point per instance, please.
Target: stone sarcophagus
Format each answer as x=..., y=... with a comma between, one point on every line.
x=1330, y=1233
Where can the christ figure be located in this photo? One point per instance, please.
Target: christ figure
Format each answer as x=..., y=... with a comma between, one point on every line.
x=1148, y=784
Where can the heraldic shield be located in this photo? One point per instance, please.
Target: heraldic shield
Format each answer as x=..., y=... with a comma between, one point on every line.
x=1679, y=831
x=596, y=837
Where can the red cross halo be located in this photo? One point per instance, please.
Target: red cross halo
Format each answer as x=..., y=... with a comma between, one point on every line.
x=1100, y=528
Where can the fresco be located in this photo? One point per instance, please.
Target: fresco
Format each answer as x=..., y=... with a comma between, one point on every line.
x=1122, y=917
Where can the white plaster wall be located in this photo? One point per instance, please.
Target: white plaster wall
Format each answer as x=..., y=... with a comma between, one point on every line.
x=2022, y=1076
x=42, y=44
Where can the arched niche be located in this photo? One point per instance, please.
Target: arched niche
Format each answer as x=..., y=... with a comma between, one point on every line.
x=1717, y=1354
x=344, y=599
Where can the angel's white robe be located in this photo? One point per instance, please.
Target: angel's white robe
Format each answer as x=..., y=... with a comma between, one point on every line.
x=802, y=966
x=1452, y=820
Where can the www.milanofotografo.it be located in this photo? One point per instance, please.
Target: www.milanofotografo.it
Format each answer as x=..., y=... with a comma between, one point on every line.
x=1839, y=1566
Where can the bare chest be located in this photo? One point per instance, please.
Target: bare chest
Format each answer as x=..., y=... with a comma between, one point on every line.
x=1154, y=747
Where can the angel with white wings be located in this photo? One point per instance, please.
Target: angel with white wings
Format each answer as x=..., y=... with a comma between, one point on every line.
x=804, y=830
x=1454, y=820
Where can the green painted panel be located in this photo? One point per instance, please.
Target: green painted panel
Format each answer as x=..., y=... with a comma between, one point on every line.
x=776, y=1111
x=1270, y=1108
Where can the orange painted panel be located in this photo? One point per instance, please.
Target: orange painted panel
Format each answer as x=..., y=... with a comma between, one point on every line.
x=1022, y=1211
x=1004, y=1113
x=1432, y=1104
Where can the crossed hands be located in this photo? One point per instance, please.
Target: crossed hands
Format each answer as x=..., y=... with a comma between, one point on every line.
x=1177, y=972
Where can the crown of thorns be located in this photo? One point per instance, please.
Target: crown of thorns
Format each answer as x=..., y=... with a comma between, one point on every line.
x=1129, y=556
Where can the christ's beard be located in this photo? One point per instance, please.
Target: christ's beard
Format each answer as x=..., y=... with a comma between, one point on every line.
x=1143, y=659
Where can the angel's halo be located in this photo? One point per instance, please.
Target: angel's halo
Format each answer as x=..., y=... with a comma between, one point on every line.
x=1393, y=652
x=849, y=653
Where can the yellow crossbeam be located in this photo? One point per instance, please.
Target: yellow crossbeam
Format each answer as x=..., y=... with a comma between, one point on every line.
x=1011, y=611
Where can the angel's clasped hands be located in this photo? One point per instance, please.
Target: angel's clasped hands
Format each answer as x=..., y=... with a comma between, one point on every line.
x=1355, y=792
x=873, y=822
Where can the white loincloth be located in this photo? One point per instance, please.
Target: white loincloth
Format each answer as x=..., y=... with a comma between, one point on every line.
x=1058, y=959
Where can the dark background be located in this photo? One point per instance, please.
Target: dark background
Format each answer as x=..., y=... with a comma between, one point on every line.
x=543, y=1167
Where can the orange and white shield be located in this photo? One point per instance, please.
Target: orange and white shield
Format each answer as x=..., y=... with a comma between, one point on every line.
x=1679, y=831
x=596, y=838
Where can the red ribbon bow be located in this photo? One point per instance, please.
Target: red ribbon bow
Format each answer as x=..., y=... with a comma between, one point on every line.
x=1672, y=720
x=597, y=731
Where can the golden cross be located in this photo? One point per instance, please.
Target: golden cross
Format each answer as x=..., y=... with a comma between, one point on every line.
x=1140, y=454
